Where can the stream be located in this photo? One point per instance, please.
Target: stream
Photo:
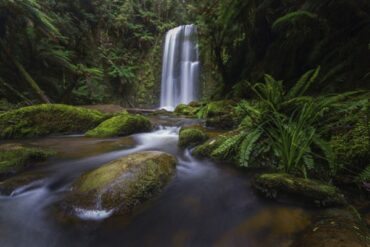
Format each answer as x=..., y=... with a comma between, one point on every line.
x=205, y=204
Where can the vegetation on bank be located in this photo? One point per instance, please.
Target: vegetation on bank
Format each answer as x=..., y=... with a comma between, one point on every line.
x=320, y=137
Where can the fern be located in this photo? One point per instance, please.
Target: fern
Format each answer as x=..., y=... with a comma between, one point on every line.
x=364, y=176
x=247, y=146
x=228, y=147
x=292, y=17
x=303, y=83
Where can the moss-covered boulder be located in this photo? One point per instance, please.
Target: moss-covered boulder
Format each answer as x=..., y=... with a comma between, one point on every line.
x=15, y=158
x=122, y=184
x=121, y=125
x=205, y=150
x=186, y=110
x=281, y=186
x=351, y=144
x=214, y=148
x=335, y=227
x=45, y=119
x=220, y=114
x=191, y=136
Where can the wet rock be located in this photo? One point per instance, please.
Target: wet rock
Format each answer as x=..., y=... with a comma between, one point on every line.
x=220, y=114
x=15, y=158
x=121, y=125
x=46, y=119
x=210, y=149
x=334, y=228
x=122, y=184
x=279, y=186
x=29, y=180
x=191, y=136
x=186, y=110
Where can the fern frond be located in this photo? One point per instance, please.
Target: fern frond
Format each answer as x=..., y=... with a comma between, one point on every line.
x=228, y=147
x=303, y=83
x=247, y=146
x=292, y=18
x=364, y=176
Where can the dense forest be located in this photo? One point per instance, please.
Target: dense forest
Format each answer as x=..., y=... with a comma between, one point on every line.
x=281, y=108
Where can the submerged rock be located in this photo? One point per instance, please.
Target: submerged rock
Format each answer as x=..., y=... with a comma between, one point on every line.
x=15, y=158
x=122, y=184
x=278, y=185
x=121, y=125
x=333, y=228
x=46, y=119
x=191, y=136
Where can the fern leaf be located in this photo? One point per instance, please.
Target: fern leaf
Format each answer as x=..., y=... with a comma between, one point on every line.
x=247, y=146
x=364, y=176
x=303, y=83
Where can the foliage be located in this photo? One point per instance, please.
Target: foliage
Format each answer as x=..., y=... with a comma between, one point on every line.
x=246, y=39
x=83, y=52
x=288, y=129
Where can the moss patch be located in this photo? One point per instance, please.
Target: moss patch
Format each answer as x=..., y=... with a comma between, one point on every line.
x=186, y=110
x=123, y=183
x=15, y=158
x=190, y=137
x=278, y=184
x=352, y=146
x=46, y=119
x=121, y=125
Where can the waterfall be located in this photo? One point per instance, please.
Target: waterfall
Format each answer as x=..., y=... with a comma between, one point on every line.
x=180, y=69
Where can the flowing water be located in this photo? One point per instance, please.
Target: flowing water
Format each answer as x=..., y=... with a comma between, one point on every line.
x=180, y=69
x=206, y=204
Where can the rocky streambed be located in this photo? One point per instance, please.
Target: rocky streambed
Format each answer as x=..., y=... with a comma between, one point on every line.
x=149, y=189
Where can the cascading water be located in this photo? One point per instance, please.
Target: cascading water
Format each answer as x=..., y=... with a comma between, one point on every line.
x=180, y=71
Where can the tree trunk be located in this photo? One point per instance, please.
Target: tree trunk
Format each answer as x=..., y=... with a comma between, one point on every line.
x=26, y=76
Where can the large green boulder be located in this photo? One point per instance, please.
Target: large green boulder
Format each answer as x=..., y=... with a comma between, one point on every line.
x=15, y=158
x=123, y=183
x=121, y=125
x=191, y=136
x=46, y=119
x=283, y=186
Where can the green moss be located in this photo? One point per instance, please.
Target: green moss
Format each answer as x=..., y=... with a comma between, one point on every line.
x=352, y=146
x=220, y=114
x=121, y=125
x=314, y=192
x=125, y=182
x=207, y=149
x=190, y=137
x=42, y=120
x=186, y=110
x=15, y=158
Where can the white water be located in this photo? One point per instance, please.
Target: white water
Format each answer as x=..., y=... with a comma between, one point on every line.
x=180, y=69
